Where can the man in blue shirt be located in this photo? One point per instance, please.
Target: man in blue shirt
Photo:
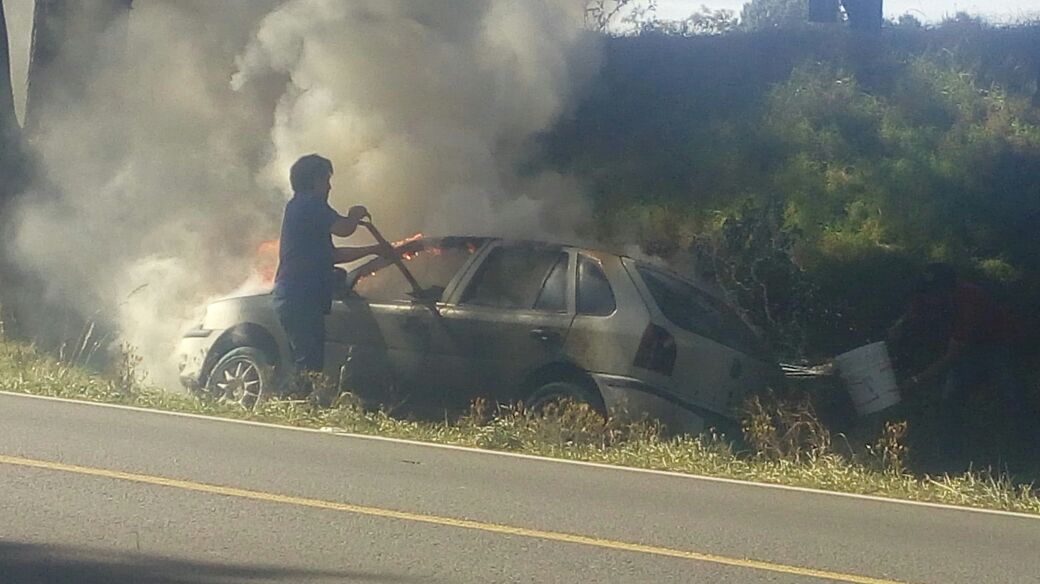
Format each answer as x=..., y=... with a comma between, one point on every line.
x=304, y=281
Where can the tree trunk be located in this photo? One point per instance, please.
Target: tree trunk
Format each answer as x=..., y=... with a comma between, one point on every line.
x=10, y=133
x=69, y=43
x=72, y=43
x=12, y=174
x=48, y=22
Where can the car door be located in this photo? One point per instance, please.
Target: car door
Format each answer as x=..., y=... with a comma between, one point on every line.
x=510, y=316
x=385, y=329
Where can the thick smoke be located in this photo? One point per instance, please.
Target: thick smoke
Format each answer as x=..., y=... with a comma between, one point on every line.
x=163, y=179
x=428, y=109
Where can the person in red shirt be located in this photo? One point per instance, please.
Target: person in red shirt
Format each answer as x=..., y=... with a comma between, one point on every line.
x=979, y=333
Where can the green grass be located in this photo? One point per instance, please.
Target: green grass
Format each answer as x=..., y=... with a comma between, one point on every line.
x=790, y=448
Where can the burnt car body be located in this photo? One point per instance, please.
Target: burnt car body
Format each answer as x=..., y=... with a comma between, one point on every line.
x=508, y=321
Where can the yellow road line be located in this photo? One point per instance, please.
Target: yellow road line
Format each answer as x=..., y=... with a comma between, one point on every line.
x=444, y=521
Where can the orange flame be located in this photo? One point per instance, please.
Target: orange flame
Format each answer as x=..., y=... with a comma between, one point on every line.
x=266, y=265
x=407, y=256
x=409, y=239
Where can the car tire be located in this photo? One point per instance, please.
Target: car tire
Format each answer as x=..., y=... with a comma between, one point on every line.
x=243, y=376
x=558, y=391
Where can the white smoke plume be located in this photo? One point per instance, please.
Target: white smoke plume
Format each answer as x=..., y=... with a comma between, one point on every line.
x=164, y=178
x=428, y=109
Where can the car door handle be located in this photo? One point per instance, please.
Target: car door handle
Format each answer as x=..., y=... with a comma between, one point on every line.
x=545, y=335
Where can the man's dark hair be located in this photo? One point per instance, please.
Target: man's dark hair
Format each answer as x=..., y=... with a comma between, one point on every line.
x=938, y=278
x=308, y=170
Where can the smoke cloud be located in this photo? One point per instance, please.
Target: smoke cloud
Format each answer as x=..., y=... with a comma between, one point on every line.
x=162, y=180
x=427, y=109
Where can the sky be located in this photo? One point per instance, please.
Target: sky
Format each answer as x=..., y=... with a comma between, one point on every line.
x=925, y=10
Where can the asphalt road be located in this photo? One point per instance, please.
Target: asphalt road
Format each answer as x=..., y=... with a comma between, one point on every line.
x=99, y=494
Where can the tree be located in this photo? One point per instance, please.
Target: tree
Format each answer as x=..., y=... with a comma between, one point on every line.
x=909, y=21
x=12, y=175
x=602, y=15
x=10, y=133
x=774, y=14
x=12, y=154
x=70, y=42
x=704, y=22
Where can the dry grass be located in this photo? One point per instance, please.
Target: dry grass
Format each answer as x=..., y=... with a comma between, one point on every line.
x=789, y=445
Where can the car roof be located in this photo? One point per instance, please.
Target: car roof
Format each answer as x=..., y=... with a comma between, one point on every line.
x=483, y=239
x=477, y=240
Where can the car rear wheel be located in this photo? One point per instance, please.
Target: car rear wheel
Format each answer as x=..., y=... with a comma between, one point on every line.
x=558, y=394
x=243, y=376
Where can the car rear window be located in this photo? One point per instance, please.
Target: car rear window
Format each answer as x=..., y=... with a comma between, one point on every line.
x=433, y=264
x=520, y=278
x=696, y=311
x=595, y=297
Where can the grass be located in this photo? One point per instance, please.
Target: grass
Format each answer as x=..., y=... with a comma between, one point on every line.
x=788, y=446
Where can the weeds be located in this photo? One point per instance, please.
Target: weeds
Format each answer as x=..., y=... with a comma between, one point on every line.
x=784, y=431
x=790, y=446
x=126, y=377
x=889, y=451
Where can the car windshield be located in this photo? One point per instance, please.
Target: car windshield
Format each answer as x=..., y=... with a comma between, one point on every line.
x=433, y=262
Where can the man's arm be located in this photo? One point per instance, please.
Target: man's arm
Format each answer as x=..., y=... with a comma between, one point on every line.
x=345, y=255
x=346, y=226
x=953, y=352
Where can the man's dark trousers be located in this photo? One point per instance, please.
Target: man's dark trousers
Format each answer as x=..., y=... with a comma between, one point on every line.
x=304, y=325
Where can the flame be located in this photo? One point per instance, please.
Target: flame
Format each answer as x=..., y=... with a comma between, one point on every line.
x=409, y=239
x=266, y=264
x=410, y=255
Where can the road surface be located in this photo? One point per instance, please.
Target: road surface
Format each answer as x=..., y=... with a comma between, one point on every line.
x=100, y=494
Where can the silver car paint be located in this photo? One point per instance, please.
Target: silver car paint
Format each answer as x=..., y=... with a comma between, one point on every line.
x=604, y=346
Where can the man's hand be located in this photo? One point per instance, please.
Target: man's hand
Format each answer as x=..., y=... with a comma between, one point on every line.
x=386, y=251
x=358, y=213
x=346, y=226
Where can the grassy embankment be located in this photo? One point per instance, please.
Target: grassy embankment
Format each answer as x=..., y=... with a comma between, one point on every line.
x=789, y=448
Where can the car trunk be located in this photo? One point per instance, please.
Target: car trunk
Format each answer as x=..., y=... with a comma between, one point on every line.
x=718, y=359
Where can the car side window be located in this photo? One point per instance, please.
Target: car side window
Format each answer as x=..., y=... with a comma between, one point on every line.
x=683, y=305
x=595, y=296
x=553, y=297
x=698, y=312
x=512, y=277
x=432, y=266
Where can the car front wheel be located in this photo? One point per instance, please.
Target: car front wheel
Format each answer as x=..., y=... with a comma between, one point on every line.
x=243, y=376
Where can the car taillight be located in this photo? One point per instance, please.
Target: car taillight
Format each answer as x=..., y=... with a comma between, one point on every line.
x=656, y=350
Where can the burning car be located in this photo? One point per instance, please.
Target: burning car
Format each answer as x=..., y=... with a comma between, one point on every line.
x=510, y=321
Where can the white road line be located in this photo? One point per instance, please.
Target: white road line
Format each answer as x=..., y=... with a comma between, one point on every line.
x=598, y=465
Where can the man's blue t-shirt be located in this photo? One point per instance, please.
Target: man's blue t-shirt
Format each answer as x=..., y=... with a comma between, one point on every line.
x=305, y=255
